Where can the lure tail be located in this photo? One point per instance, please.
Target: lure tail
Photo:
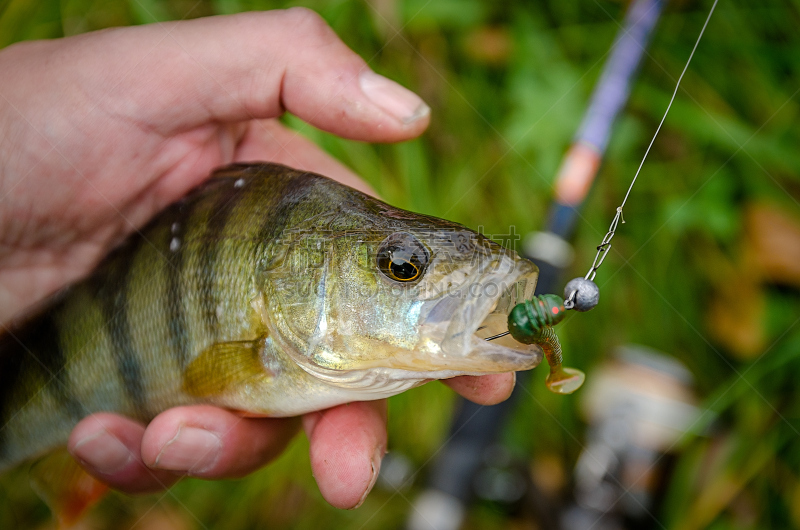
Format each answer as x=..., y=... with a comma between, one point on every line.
x=561, y=379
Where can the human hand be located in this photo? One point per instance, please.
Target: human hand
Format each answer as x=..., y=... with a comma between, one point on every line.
x=347, y=443
x=101, y=131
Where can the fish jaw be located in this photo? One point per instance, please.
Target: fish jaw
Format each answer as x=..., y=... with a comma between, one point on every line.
x=453, y=329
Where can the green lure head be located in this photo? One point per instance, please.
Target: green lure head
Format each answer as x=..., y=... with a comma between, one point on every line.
x=528, y=319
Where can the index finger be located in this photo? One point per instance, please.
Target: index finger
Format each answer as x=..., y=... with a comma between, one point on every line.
x=488, y=389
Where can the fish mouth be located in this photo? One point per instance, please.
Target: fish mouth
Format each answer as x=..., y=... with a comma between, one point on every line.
x=460, y=323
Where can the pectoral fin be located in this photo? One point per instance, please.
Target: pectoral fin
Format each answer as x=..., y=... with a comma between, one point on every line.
x=65, y=487
x=223, y=367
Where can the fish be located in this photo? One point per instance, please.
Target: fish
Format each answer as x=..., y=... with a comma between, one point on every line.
x=266, y=290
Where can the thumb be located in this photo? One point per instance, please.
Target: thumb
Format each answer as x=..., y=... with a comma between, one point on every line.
x=177, y=76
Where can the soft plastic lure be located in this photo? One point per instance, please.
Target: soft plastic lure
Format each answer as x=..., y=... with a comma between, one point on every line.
x=531, y=322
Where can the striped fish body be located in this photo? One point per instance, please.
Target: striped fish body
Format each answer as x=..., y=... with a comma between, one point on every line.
x=234, y=296
x=122, y=339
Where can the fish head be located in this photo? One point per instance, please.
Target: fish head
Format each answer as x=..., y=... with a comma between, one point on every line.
x=366, y=294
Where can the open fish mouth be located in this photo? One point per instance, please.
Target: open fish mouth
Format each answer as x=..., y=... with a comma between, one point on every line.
x=461, y=322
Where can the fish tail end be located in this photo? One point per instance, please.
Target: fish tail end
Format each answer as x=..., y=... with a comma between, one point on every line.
x=65, y=487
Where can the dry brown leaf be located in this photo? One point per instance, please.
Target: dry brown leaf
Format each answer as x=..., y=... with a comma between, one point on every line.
x=772, y=243
x=736, y=316
x=489, y=45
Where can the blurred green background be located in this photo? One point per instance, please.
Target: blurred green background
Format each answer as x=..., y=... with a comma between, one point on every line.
x=707, y=267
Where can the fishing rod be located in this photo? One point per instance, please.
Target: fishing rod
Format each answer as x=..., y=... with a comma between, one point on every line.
x=443, y=504
x=532, y=321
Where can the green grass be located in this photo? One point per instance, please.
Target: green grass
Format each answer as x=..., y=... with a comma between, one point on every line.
x=504, y=111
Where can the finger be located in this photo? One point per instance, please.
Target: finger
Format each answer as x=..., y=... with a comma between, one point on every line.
x=269, y=140
x=347, y=445
x=484, y=389
x=209, y=442
x=108, y=447
x=181, y=75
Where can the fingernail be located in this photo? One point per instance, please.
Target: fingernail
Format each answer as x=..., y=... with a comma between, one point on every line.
x=377, y=458
x=192, y=450
x=396, y=100
x=103, y=453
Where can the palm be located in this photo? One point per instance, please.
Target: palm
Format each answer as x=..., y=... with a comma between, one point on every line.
x=125, y=141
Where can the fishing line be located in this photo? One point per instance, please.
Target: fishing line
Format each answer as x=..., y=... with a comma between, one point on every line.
x=605, y=245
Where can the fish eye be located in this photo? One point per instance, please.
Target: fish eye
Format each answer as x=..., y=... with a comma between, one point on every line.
x=402, y=258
